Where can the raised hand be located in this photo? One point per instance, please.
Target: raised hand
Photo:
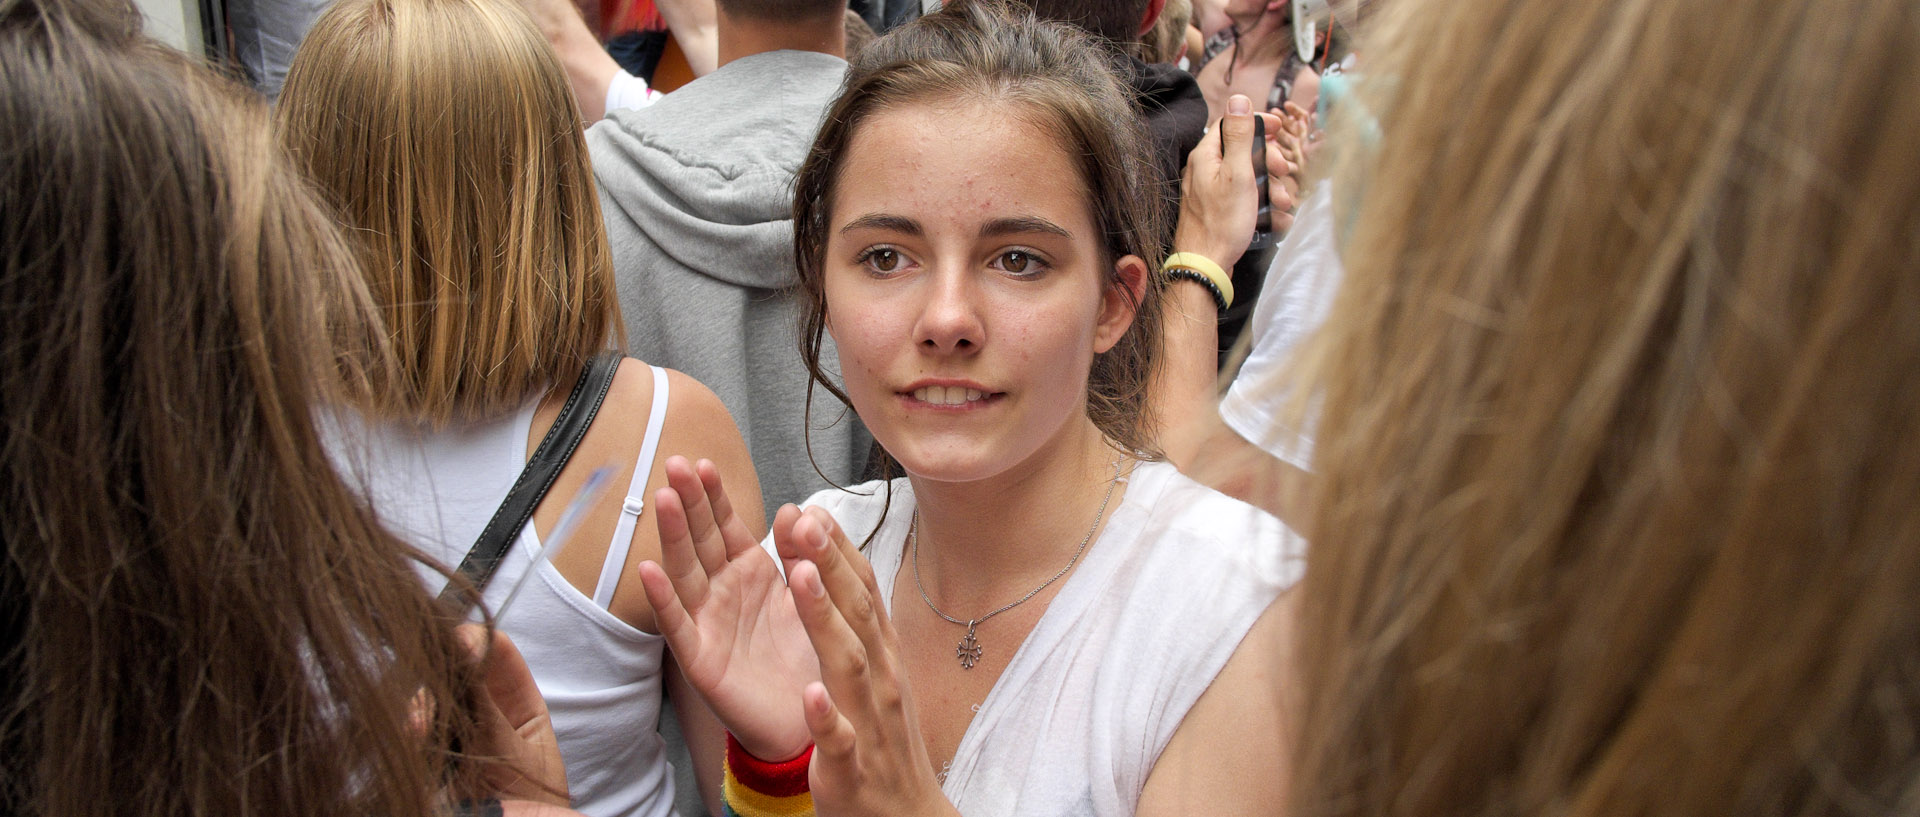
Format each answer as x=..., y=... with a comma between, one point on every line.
x=868, y=757
x=725, y=611
x=1218, y=199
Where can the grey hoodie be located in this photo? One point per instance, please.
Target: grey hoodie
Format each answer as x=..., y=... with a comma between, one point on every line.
x=697, y=193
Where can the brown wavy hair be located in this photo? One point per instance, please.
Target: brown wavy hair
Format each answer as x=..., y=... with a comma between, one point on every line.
x=1063, y=81
x=1618, y=454
x=446, y=133
x=199, y=616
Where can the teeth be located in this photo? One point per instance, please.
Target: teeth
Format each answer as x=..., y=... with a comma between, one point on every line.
x=947, y=395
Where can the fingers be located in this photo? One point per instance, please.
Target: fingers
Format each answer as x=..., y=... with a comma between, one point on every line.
x=840, y=567
x=833, y=734
x=516, y=732
x=1299, y=119
x=851, y=556
x=508, y=681
x=1278, y=171
x=678, y=554
x=735, y=537
x=703, y=523
x=675, y=624
x=783, y=542
x=846, y=663
x=1236, y=137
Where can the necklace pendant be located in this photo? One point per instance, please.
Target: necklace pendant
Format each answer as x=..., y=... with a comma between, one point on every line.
x=969, y=649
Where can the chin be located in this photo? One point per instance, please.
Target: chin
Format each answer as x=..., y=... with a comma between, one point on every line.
x=949, y=463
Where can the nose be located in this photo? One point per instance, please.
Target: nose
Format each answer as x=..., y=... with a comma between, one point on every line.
x=950, y=316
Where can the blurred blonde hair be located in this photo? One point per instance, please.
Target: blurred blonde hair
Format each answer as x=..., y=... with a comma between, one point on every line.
x=1617, y=461
x=446, y=133
x=1169, y=32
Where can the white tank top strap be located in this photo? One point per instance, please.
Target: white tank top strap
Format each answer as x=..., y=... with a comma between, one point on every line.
x=636, y=496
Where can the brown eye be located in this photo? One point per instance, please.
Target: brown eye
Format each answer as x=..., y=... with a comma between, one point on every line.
x=1015, y=261
x=883, y=259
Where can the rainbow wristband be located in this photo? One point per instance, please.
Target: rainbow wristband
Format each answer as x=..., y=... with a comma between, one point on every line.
x=757, y=788
x=1194, y=262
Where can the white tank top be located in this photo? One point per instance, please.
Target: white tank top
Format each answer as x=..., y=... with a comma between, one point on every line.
x=1157, y=606
x=601, y=677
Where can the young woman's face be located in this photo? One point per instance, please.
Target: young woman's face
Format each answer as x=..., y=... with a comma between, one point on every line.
x=965, y=288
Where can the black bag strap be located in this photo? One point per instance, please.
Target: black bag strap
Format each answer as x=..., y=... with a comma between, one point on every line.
x=542, y=469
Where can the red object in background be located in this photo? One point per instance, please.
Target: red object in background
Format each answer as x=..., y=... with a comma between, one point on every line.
x=607, y=18
x=617, y=16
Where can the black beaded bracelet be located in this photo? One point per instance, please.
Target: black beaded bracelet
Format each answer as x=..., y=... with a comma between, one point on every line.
x=1184, y=274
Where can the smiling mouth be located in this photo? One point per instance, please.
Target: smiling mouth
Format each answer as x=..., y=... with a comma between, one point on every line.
x=950, y=395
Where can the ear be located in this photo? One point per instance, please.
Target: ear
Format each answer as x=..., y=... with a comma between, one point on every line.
x=1118, y=302
x=1154, y=7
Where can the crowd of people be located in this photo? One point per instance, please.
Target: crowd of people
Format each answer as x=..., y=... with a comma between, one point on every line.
x=462, y=425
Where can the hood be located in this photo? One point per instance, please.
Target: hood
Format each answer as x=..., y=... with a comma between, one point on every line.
x=707, y=172
x=1174, y=110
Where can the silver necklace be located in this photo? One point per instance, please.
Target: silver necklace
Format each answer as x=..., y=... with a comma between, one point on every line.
x=969, y=649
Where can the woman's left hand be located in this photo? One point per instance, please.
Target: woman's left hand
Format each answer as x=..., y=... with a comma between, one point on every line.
x=868, y=757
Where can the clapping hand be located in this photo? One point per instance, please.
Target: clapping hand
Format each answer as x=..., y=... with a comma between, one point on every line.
x=869, y=758
x=725, y=611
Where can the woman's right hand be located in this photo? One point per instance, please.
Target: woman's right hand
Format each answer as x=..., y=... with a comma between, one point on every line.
x=1218, y=199
x=726, y=613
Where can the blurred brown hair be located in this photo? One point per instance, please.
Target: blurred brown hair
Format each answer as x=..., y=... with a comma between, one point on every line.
x=201, y=618
x=1617, y=457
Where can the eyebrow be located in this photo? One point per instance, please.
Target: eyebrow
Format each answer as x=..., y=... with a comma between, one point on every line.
x=996, y=228
x=1000, y=227
x=881, y=221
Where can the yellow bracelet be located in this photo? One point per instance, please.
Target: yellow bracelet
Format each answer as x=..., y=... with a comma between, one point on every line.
x=1206, y=267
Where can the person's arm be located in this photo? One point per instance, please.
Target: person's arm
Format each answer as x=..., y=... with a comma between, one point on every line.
x=1218, y=206
x=706, y=737
x=693, y=25
x=590, y=69
x=1230, y=752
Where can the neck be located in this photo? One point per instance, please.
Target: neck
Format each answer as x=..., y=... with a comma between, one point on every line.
x=1266, y=38
x=985, y=543
x=744, y=37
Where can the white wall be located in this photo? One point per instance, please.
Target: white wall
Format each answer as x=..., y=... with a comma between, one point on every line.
x=175, y=22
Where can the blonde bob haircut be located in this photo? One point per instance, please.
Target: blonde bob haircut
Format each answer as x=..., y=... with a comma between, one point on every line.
x=1619, y=448
x=447, y=135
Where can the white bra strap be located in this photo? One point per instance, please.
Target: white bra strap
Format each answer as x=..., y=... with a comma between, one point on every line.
x=636, y=496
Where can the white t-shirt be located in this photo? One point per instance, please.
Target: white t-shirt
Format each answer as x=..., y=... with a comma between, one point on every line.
x=1300, y=285
x=1157, y=605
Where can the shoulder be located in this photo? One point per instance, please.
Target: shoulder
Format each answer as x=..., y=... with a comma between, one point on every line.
x=692, y=421
x=1182, y=518
x=697, y=424
x=691, y=411
x=737, y=100
x=689, y=401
